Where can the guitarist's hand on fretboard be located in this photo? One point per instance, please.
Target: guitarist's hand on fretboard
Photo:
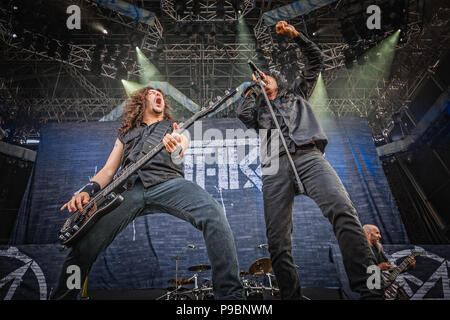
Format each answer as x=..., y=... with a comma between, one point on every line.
x=412, y=262
x=386, y=266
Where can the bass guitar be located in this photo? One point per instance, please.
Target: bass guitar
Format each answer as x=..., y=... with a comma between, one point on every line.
x=393, y=287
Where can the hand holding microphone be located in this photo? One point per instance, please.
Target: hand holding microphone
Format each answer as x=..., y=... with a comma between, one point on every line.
x=269, y=83
x=255, y=83
x=256, y=70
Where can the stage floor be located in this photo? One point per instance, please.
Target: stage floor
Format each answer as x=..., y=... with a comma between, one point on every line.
x=154, y=294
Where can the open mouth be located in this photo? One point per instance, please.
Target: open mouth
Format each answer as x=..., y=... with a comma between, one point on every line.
x=158, y=100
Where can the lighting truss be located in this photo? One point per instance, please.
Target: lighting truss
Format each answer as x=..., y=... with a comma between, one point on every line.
x=80, y=56
x=207, y=11
x=198, y=51
x=152, y=33
x=67, y=109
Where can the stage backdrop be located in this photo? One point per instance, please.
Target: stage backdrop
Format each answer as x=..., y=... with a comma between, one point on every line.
x=142, y=255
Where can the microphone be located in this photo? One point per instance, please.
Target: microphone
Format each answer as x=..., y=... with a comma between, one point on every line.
x=254, y=68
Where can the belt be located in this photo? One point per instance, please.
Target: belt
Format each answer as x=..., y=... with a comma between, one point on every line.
x=307, y=146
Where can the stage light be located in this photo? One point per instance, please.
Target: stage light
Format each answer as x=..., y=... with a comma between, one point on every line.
x=370, y=71
x=212, y=30
x=135, y=40
x=196, y=7
x=180, y=7
x=105, y=31
x=130, y=64
x=245, y=36
x=236, y=6
x=201, y=30
x=96, y=67
x=123, y=53
x=348, y=32
x=147, y=70
x=130, y=86
x=220, y=9
x=27, y=40
x=121, y=72
x=177, y=29
x=403, y=36
x=65, y=51
x=189, y=30
x=319, y=98
x=52, y=47
x=39, y=43
x=107, y=59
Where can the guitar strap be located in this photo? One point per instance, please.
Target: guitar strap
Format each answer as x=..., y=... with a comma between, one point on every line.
x=155, y=137
x=152, y=141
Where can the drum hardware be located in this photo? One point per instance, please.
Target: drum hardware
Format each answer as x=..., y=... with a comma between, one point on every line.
x=176, y=258
x=243, y=274
x=198, y=268
x=260, y=267
x=180, y=281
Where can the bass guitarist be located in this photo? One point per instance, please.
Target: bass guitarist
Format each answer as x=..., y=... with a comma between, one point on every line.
x=159, y=186
x=373, y=236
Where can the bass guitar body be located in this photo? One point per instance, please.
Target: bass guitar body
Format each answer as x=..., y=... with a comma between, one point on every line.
x=80, y=222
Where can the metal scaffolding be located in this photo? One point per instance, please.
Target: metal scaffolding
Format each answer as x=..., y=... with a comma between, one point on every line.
x=203, y=67
x=207, y=10
x=80, y=55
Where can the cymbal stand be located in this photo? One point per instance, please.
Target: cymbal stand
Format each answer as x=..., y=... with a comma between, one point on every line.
x=272, y=289
x=177, y=285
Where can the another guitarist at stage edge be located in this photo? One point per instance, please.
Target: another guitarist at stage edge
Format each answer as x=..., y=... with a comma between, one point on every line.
x=373, y=236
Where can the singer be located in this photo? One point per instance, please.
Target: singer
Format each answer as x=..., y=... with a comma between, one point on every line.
x=158, y=187
x=288, y=92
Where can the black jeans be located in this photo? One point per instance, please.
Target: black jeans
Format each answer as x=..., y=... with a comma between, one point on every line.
x=180, y=198
x=323, y=185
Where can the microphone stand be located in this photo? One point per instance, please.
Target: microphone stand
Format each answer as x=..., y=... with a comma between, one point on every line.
x=277, y=125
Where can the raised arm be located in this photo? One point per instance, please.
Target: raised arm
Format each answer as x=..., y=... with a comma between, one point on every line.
x=305, y=80
x=102, y=178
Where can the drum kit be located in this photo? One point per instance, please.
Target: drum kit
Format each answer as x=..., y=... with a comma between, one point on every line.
x=258, y=283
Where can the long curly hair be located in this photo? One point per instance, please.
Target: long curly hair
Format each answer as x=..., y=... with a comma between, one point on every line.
x=134, y=110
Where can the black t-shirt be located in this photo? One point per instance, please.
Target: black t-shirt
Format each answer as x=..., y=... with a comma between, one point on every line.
x=158, y=169
x=379, y=256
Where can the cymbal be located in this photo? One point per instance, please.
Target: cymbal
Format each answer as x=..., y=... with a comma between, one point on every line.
x=181, y=281
x=243, y=273
x=260, y=267
x=200, y=268
x=179, y=288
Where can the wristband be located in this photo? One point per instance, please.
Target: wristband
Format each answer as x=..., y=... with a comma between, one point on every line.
x=91, y=188
x=253, y=87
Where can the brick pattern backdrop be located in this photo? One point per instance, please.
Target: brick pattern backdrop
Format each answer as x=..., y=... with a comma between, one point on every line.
x=142, y=255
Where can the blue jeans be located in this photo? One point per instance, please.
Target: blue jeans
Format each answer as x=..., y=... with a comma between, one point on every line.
x=180, y=198
x=323, y=185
